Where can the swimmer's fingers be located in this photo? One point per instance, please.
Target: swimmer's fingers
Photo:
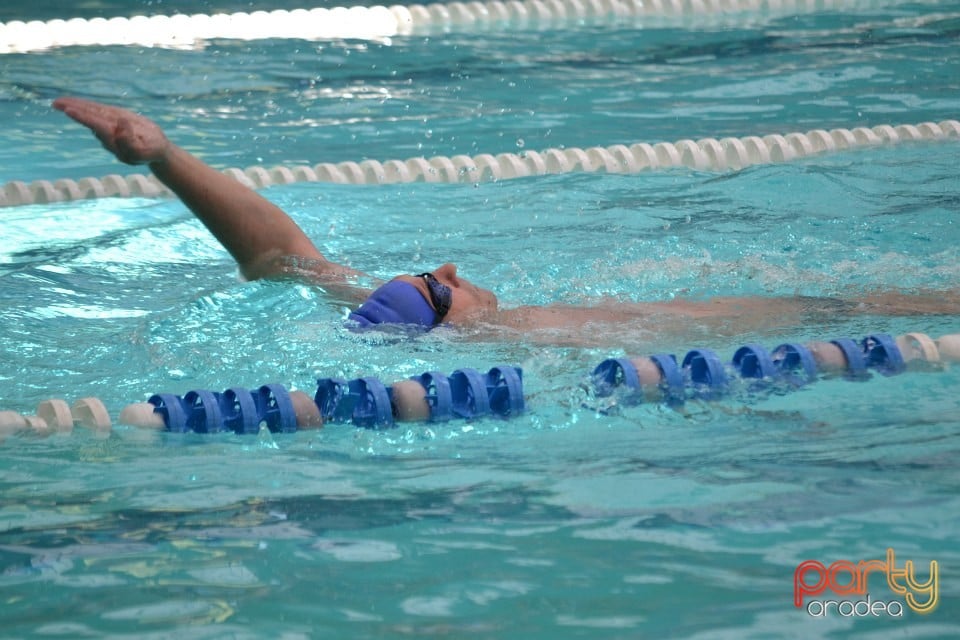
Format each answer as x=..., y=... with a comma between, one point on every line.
x=132, y=138
x=79, y=105
x=90, y=113
x=75, y=105
x=100, y=118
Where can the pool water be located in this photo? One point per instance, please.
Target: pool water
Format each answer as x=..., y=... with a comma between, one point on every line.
x=636, y=521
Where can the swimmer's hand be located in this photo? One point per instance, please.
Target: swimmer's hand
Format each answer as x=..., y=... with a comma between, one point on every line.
x=132, y=138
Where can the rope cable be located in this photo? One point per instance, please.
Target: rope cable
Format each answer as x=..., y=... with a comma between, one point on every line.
x=707, y=154
x=380, y=22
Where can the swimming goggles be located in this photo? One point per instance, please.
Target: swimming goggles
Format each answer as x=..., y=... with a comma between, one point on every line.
x=440, y=295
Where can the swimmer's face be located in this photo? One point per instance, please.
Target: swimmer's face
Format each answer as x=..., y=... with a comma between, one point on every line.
x=468, y=301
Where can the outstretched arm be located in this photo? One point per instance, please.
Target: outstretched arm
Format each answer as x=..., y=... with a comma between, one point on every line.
x=257, y=233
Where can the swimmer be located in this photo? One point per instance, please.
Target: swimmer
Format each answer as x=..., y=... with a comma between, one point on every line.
x=267, y=243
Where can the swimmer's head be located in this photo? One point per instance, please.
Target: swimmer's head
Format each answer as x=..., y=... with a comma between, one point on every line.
x=396, y=302
x=401, y=302
x=426, y=300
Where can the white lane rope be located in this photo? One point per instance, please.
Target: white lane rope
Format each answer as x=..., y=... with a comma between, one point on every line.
x=381, y=22
x=708, y=154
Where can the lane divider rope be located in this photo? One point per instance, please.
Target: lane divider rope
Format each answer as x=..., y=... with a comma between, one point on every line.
x=707, y=154
x=468, y=394
x=702, y=375
x=375, y=22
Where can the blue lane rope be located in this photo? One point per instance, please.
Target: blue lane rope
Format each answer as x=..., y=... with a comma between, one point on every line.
x=364, y=402
x=466, y=393
x=702, y=375
x=469, y=394
x=235, y=409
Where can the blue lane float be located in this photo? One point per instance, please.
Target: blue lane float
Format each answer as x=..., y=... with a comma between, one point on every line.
x=856, y=360
x=465, y=393
x=881, y=353
x=236, y=409
x=794, y=363
x=438, y=394
x=702, y=375
x=706, y=375
x=753, y=361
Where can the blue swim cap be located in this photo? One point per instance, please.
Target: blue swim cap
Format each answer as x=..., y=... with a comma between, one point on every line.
x=396, y=302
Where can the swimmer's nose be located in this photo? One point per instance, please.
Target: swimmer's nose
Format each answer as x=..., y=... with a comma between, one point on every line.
x=447, y=273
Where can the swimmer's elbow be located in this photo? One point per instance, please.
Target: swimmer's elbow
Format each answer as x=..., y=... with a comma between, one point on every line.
x=282, y=260
x=263, y=267
x=277, y=265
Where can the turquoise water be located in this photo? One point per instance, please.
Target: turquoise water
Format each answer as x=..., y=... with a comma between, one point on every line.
x=563, y=522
